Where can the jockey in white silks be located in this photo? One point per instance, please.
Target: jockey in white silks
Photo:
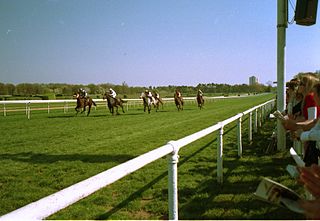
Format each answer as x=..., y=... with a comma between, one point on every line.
x=200, y=92
x=112, y=93
x=148, y=94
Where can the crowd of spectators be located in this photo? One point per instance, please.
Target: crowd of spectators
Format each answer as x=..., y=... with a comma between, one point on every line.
x=302, y=114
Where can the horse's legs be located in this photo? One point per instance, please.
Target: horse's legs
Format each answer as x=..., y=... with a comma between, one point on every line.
x=122, y=108
x=89, y=110
x=117, y=110
x=84, y=109
x=77, y=111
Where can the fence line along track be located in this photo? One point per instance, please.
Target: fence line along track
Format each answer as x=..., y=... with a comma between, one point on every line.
x=66, y=104
x=66, y=197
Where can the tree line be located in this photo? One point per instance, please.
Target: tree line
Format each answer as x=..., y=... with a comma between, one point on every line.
x=52, y=90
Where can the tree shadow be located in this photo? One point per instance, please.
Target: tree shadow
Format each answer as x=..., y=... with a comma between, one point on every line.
x=30, y=157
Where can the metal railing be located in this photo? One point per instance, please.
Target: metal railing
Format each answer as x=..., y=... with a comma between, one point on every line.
x=59, y=200
x=66, y=104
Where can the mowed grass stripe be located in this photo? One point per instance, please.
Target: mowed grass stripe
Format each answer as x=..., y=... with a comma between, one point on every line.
x=53, y=151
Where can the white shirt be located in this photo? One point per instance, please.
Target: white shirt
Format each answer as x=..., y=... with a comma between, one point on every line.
x=113, y=93
x=312, y=135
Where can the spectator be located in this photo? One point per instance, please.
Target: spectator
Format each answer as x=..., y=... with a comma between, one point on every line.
x=310, y=111
x=310, y=178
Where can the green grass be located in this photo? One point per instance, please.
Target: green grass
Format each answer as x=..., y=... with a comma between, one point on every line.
x=52, y=151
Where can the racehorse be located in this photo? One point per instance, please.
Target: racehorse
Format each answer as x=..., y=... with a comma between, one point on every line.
x=82, y=102
x=179, y=101
x=157, y=101
x=147, y=102
x=114, y=103
x=200, y=100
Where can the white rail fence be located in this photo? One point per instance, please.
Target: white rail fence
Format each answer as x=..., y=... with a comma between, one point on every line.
x=65, y=104
x=53, y=203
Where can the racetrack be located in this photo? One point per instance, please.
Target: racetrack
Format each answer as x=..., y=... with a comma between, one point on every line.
x=51, y=152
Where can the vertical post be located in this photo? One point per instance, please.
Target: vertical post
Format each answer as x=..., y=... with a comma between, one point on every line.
x=250, y=126
x=173, y=160
x=4, y=110
x=282, y=12
x=239, y=137
x=260, y=117
x=219, y=156
x=29, y=110
x=48, y=108
x=255, y=126
x=64, y=107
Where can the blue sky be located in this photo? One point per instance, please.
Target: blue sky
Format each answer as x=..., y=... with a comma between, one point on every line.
x=149, y=42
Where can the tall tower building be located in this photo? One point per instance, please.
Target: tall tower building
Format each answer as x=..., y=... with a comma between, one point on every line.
x=253, y=80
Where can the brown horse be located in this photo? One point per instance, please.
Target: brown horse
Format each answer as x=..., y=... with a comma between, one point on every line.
x=147, y=102
x=83, y=102
x=200, y=100
x=114, y=103
x=178, y=99
x=157, y=102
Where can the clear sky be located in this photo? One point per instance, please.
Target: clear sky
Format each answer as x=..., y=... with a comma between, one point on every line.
x=149, y=42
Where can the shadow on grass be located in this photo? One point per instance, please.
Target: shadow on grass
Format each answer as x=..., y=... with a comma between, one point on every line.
x=139, y=192
x=234, y=199
x=30, y=157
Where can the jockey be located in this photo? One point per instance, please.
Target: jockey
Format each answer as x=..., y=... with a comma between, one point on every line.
x=149, y=95
x=200, y=93
x=112, y=93
x=157, y=95
x=178, y=93
x=83, y=93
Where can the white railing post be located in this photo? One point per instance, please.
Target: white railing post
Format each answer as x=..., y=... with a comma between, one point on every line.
x=250, y=126
x=173, y=160
x=48, y=107
x=4, y=110
x=255, y=125
x=28, y=110
x=239, y=138
x=260, y=117
x=64, y=107
x=219, y=156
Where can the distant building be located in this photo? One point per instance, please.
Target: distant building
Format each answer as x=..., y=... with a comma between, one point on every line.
x=253, y=80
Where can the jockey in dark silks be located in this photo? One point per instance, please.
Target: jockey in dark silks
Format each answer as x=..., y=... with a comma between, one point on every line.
x=83, y=93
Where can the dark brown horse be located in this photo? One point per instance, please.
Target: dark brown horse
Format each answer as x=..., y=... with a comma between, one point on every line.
x=178, y=99
x=83, y=102
x=114, y=103
x=200, y=100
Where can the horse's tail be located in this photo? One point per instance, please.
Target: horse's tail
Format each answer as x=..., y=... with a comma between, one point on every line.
x=123, y=101
x=94, y=103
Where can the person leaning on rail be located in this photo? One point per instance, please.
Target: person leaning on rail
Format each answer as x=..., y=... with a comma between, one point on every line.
x=310, y=110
